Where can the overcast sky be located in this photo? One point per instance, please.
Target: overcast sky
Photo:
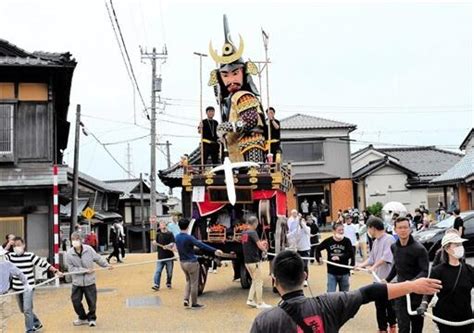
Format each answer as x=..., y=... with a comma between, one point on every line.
x=400, y=71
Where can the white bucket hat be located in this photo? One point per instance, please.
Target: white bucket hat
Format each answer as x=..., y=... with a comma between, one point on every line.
x=451, y=238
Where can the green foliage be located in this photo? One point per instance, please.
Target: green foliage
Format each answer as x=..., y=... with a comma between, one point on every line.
x=375, y=209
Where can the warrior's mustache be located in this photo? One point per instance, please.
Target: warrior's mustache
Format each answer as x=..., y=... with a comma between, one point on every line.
x=234, y=83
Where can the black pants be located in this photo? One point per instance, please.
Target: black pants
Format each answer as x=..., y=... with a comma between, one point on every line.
x=91, y=298
x=211, y=150
x=275, y=148
x=453, y=329
x=115, y=253
x=407, y=323
x=312, y=252
x=385, y=314
x=121, y=246
x=305, y=254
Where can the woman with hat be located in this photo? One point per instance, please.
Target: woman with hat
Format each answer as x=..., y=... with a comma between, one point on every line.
x=457, y=279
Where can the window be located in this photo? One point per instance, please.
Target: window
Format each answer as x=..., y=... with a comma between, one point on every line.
x=303, y=151
x=6, y=132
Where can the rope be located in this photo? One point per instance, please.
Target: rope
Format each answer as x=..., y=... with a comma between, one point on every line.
x=375, y=276
x=86, y=271
x=437, y=319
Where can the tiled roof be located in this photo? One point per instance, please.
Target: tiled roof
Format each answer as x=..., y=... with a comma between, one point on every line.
x=92, y=181
x=377, y=164
x=176, y=170
x=12, y=55
x=459, y=172
x=30, y=176
x=303, y=121
x=425, y=161
x=467, y=139
x=129, y=187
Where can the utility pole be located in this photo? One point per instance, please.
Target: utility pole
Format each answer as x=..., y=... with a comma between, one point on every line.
x=142, y=213
x=168, y=158
x=200, y=55
x=155, y=88
x=129, y=161
x=75, y=181
x=265, y=45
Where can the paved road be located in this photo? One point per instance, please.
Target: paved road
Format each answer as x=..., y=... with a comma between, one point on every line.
x=225, y=312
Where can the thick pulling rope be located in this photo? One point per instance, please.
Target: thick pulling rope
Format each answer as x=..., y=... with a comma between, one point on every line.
x=410, y=312
x=87, y=271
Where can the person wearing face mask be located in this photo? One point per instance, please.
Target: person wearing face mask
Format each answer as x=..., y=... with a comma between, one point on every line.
x=81, y=258
x=7, y=272
x=328, y=312
x=457, y=278
x=26, y=262
x=339, y=250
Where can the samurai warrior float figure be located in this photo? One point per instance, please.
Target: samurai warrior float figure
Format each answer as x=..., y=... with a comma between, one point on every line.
x=242, y=127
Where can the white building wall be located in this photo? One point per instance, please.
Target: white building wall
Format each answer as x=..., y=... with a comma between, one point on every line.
x=364, y=159
x=388, y=184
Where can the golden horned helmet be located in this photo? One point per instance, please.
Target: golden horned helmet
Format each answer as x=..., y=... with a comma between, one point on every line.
x=230, y=53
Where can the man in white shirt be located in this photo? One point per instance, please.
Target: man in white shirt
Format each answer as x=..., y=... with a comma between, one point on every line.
x=293, y=220
x=301, y=236
x=351, y=232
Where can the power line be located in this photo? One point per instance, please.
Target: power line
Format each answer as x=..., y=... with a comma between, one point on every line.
x=124, y=45
x=126, y=141
x=111, y=155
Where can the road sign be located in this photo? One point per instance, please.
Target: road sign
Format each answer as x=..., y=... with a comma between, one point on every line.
x=88, y=213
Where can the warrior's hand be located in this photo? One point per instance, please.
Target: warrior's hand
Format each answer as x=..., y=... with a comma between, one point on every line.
x=227, y=127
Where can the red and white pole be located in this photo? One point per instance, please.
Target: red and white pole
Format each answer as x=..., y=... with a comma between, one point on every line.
x=56, y=219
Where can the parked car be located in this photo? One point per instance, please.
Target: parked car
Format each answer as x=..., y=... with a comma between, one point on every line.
x=431, y=237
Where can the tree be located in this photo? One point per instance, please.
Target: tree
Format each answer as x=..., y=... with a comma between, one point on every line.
x=375, y=209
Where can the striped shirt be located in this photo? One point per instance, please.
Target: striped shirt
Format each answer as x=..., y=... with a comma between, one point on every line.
x=26, y=262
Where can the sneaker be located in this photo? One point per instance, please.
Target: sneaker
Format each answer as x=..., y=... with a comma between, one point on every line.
x=251, y=303
x=38, y=327
x=305, y=283
x=186, y=303
x=211, y=270
x=80, y=322
x=168, y=286
x=92, y=323
x=264, y=306
x=197, y=306
x=155, y=288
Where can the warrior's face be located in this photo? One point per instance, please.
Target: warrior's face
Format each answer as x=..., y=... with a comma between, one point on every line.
x=233, y=80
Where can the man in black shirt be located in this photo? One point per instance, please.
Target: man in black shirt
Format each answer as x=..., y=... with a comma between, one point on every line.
x=410, y=261
x=208, y=130
x=164, y=245
x=252, y=247
x=418, y=219
x=458, y=222
x=339, y=250
x=324, y=313
x=274, y=131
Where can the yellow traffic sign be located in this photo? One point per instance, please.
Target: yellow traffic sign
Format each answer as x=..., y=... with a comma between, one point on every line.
x=88, y=213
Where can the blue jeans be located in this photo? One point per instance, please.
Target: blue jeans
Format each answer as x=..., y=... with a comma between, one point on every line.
x=159, y=268
x=334, y=280
x=25, y=303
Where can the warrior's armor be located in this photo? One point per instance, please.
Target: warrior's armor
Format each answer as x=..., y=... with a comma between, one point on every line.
x=243, y=120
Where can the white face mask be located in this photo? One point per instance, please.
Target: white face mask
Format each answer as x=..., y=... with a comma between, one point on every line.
x=76, y=243
x=19, y=250
x=338, y=237
x=458, y=252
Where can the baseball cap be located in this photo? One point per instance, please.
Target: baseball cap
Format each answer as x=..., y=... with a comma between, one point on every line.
x=451, y=238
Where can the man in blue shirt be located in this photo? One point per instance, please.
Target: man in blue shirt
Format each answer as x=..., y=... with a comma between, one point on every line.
x=189, y=263
x=7, y=271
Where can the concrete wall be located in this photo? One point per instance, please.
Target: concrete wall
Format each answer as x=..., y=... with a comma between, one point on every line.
x=336, y=160
x=388, y=184
x=364, y=159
